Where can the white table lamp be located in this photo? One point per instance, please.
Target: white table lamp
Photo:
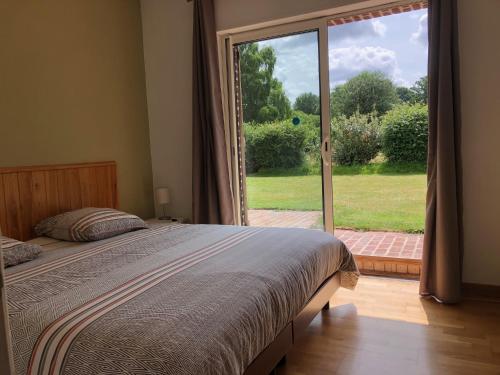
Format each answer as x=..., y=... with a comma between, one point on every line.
x=163, y=198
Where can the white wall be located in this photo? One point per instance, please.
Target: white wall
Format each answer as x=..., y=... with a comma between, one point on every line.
x=480, y=78
x=234, y=14
x=167, y=45
x=167, y=40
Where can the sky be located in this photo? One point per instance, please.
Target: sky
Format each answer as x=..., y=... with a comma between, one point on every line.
x=395, y=45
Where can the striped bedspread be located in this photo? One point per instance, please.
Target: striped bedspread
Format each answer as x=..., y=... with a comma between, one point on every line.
x=171, y=299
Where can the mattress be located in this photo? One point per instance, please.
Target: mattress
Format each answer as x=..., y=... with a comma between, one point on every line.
x=170, y=299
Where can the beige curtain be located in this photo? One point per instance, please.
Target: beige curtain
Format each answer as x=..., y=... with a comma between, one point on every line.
x=441, y=275
x=212, y=196
x=6, y=362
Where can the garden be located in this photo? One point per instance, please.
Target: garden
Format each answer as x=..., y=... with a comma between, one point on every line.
x=379, y=149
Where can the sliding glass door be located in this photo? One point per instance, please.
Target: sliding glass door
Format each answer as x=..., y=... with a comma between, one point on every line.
x=282, y=130
x=361, y=76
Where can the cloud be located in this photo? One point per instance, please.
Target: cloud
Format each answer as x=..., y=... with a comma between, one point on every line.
x=296, y=63
x=292, y=42
x=297, y=55
x=357, y=51
x=379, y=27
x=420, y=36
x=345, y=63
x=357, y=30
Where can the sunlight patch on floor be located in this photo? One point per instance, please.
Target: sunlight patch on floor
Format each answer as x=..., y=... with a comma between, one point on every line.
x=365, y=302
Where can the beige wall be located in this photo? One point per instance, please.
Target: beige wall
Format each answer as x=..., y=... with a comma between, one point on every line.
x=167, y=33
x=72, y=89
x=480, y=76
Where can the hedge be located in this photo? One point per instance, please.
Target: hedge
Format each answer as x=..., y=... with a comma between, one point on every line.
x=401, y=135
x=355, y=139
x=405, y=133
x=274, y=145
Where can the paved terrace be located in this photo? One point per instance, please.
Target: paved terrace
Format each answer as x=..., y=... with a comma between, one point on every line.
x=378, y=244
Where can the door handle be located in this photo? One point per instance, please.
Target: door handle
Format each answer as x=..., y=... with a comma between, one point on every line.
x=324, y=152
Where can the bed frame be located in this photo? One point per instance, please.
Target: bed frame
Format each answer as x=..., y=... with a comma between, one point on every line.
x=30, y=194
x=270, y=357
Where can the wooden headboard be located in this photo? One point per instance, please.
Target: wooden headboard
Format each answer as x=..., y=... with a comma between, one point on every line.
x=30, y=194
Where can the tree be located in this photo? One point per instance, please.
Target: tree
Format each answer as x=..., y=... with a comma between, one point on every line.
x=415, y=94
x=405, y=94
x=279, y=100
x=263, y=96
x=307, y=103
x=420, y=90
x=364, y=93
x=278, y=105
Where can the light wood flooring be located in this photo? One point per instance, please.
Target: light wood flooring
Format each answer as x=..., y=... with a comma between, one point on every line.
x=384, y=327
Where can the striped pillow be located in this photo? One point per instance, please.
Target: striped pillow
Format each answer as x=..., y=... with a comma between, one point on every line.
x=15, y=252
x=88, y=224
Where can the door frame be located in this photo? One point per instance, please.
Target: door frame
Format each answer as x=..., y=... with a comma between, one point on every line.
x=227, y=39
x=226, y=45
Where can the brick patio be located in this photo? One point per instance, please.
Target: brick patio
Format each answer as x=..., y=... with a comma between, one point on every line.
x=374, y=244
x=289, y=219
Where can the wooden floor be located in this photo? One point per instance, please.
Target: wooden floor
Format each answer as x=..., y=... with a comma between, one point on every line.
x=385, y=328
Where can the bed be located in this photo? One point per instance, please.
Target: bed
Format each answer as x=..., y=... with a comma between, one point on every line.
x=169, y=299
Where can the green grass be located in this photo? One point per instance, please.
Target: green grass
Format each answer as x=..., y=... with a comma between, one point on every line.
x=375, y=196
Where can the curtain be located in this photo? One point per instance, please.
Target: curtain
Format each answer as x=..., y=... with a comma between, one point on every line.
x=441, y=275
x=240, y=140
x=6, y=363
x=212, y=195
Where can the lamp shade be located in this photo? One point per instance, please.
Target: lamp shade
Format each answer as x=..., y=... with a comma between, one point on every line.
x=162, y=195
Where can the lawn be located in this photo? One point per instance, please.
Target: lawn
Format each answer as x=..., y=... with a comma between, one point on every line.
x=376, y=197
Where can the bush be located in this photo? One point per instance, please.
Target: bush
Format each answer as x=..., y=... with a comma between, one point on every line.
x=355, y=139
x=306, y=119
x=274, y=145
x=312, y=140
x=267, y=113
x=405, y=133
x=312, y=146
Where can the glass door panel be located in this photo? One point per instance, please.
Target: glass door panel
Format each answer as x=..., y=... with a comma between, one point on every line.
x=281, y=131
